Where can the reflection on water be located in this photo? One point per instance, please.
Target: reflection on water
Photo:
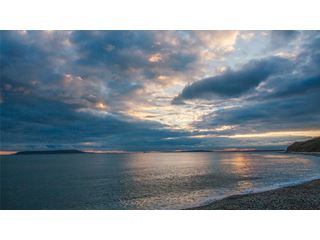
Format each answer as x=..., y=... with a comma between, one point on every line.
x=143, y=180
x=241, y=165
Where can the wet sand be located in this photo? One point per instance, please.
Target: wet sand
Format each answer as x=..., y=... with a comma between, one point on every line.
x=304, y=196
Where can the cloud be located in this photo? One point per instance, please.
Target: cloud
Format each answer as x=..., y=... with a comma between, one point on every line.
x=101, y=89
x=63, y=88
x=284, y=102
x=281, y=38
x=296, y=113
x=30, y=120
x=233, y=83
x=219, y=40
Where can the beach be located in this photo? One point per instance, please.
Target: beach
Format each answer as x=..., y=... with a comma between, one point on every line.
x=305, y=196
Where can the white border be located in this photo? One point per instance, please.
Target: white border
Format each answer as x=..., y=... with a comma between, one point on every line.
x=159, y=225
x=156, y=14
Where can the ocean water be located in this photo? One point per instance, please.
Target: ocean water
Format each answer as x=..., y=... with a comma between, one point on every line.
x=144, y=180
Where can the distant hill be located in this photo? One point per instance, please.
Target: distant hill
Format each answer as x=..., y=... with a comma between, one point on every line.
x=312, y=145
x=49, y=152
x=196, y=150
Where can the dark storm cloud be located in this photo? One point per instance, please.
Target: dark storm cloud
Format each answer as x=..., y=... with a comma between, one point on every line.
x=296, y=87
x=22, y=60
x=281, y=114
x=37, y=61
x=120, y=60
x=127, y=49
x=43, y=122
x=50, y=83
x=309, y=58
x=110, y=47
x=234, y=83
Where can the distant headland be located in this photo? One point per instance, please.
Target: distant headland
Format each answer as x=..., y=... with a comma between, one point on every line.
x=49, y=152
x=312, y=145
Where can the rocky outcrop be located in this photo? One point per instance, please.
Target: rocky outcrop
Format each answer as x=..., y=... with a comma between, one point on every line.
x=312, y=145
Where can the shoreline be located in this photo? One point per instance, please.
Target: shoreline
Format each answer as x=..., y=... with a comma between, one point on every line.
x=302, y=196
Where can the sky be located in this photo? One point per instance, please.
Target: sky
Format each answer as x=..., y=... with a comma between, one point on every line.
x=158, y=90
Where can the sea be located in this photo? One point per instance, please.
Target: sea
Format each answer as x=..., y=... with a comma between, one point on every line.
x=145, y=180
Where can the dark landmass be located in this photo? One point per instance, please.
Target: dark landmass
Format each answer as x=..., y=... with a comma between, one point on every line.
x=49, y=152
x=305, y=196
x=199, y=150
x=312, y=145
x=236, y=151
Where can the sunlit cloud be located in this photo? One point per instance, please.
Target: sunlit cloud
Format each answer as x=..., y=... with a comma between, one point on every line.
x=101, y=106
x=7, y=153
x=288, y=55
x=307, y=133
x=223, y=40
x=223, y=128
x=155, y=58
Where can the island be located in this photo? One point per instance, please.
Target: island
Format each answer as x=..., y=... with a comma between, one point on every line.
x=50, y=152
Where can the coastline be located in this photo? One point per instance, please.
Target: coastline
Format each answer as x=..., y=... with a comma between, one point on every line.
x=303, y=196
